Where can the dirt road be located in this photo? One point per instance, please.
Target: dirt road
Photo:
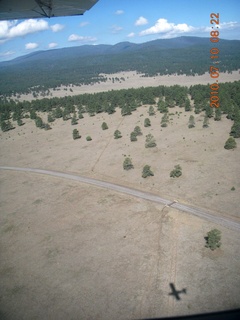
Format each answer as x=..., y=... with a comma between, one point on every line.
x=226, y=222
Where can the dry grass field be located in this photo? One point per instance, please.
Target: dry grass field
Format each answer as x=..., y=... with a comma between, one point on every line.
x=73, y=251
x=136, y=80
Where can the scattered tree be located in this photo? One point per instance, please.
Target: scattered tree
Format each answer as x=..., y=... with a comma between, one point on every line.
x=39, y=122
x=147, y=122
x=6, y=126
x=191, y=122
x=74, y=120
x=205, y=122
x=104, y=126
x=88, y=138
x=76, y=134
x=127, y=164
x=133, y=136
x=187, y=105
x=150, y=141
x=213, y=239
x=117, y=134
x=147, y=171
x=33, y=114
x=151, y=111
x=126, y=110
x=20, y=122
x=164, y=120
x=176, y=172
x=138, y=131
x=230, y=143
x=50, y=118
x=235, y=130
x=218, y=114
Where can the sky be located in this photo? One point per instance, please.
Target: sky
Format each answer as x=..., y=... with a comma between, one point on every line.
x=114, y=21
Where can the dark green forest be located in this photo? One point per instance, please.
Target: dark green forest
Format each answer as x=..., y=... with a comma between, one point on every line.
x=83, y=65
x=128, y=100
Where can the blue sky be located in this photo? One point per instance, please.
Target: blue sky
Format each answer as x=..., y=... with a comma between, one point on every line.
x=113, y=21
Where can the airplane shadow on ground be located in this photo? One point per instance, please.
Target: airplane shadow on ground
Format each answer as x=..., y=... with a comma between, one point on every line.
x=176, y=293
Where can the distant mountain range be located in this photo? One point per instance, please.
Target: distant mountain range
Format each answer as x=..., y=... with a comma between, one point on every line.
x=83, y=64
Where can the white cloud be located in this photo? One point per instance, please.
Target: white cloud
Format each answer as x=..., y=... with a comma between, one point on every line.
x=168, y=29
x=57, y=27
x=31, y=45
x=116, y=29
x=52, y=45
x=141, y=21
x=84, y=23
x=229, y=25
x=130, y=35
x=7, y=53
x=13, y=29
x=118, y=12
x=75, y=37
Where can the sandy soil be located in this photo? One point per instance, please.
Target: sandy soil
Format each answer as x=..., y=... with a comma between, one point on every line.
x=71, y=251
x=134, y=80
x=65, y=245
x=209, y=170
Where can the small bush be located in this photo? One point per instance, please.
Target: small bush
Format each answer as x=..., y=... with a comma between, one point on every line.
x=88, y=138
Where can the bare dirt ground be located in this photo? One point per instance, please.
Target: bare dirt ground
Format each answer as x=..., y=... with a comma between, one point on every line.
x=136, y=80
x=71, y=251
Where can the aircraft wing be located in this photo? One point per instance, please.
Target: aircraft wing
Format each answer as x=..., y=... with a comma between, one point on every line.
x=26, y=9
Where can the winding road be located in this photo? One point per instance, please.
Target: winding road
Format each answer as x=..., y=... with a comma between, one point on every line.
x=199, y=212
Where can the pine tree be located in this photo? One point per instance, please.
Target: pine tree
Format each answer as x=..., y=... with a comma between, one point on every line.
x=176, y=172
x=76, y=134
x=205, y=122
x=133, y=136
x=104, y=126
x=39, y=122
x=117, y=134
x=151, y=111
x=218, y=114
x=230, y=143
x=191, y=122
x=164, y=120
x=127, y=164
x=147, y=171
x=150, y=141
x=187, y=105
x=213, y=239
x=147, y=122
x=74, y=120
x=138, y=131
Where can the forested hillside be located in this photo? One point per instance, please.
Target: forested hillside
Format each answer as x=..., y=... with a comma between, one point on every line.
x=83, y=65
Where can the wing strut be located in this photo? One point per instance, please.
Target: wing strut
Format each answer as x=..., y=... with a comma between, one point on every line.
x=45, y=8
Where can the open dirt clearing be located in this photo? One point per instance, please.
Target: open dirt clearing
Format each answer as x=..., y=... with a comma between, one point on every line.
x=69, y=251
x=209, y=170
x=136, y=80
